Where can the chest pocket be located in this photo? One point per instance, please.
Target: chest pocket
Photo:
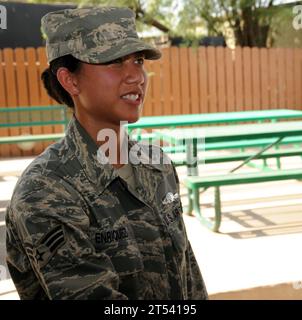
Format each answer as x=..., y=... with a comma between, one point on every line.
x=121, y=248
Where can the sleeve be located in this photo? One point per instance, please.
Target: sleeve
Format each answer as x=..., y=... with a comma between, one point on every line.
x=195, y=283
x=54, y=230
x=19, y=267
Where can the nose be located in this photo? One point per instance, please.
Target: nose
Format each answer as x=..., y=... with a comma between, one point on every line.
x=134, y=73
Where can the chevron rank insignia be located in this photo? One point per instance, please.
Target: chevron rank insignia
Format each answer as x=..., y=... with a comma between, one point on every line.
x=47, y=246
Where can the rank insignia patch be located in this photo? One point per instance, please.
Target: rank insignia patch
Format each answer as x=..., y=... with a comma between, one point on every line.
x=47, y=246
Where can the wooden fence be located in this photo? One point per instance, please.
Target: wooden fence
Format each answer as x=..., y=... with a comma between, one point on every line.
x=185, y=80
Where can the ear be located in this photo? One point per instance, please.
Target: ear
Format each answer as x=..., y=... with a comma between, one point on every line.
x=68, y=81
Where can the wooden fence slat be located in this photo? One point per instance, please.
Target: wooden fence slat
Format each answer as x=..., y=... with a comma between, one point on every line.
x=273, y=78
x=211, y=55
x=203, y=80
x=264, y=73
x=42, y=65
x=290, y=88
x=281, y=78
x=230, y=80
x=238, y=79
x=10, y=77
x=255, y=78
x=22, y=85
x=298, y=78
x=221, y=79
x=3, y=92
x=247, y=79
x=176, y=81
x=185, y=81
x=166, y=79
x=194, y=85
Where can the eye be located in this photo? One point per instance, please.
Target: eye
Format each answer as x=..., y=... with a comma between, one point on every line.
x=117, y=61
x=140, y=60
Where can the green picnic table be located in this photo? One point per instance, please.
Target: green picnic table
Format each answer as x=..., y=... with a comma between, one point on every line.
x=191, y=137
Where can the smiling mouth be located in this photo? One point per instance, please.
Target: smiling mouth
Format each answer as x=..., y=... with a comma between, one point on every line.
x=131, y=97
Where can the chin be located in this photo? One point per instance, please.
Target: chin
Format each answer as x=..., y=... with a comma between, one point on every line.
x=132, y=118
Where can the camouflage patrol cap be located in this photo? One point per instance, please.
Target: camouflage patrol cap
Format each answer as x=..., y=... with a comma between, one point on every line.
x=93, y=35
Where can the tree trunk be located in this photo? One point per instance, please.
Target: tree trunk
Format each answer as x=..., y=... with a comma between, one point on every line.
x=248, y=30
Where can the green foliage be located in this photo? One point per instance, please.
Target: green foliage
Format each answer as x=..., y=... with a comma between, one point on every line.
x=251, y=22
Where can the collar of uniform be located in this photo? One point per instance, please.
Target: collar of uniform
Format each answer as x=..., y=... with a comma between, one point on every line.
x=81, y=145
x=145, y=160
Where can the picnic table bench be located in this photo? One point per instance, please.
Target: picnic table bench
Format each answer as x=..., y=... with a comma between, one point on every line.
x=275, y=132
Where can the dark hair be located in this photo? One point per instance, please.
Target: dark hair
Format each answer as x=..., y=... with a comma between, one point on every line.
x=51, y=83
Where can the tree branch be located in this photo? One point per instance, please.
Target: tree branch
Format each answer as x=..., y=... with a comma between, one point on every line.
x=149, y=20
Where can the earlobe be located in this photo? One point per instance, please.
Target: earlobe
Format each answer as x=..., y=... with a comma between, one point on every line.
x=75, y=90
x=68, y=81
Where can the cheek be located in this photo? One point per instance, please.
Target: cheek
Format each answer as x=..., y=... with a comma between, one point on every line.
x=98, y=87
x=107, y=84
x=146, y=81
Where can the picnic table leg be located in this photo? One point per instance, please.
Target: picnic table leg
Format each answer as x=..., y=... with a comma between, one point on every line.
x=192, y=170
x=278, y=159
x=193, y=195
x=217, y=220
x=190, y=202
x=191, y=155
x=214, y=226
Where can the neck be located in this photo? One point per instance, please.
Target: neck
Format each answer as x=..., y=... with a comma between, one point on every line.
x=104, y=134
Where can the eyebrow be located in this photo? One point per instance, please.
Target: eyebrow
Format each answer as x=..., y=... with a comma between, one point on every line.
x=136, y=55
x=140, y=55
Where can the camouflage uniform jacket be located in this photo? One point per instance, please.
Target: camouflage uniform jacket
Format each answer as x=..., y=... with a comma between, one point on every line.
x=76, y=231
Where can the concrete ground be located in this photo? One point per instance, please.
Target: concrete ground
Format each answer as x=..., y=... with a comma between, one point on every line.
x=256, y=255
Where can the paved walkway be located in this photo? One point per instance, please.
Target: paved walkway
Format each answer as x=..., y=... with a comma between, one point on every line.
x=255, y=256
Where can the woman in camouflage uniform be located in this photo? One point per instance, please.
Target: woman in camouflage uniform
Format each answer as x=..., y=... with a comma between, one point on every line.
x=79, y=226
